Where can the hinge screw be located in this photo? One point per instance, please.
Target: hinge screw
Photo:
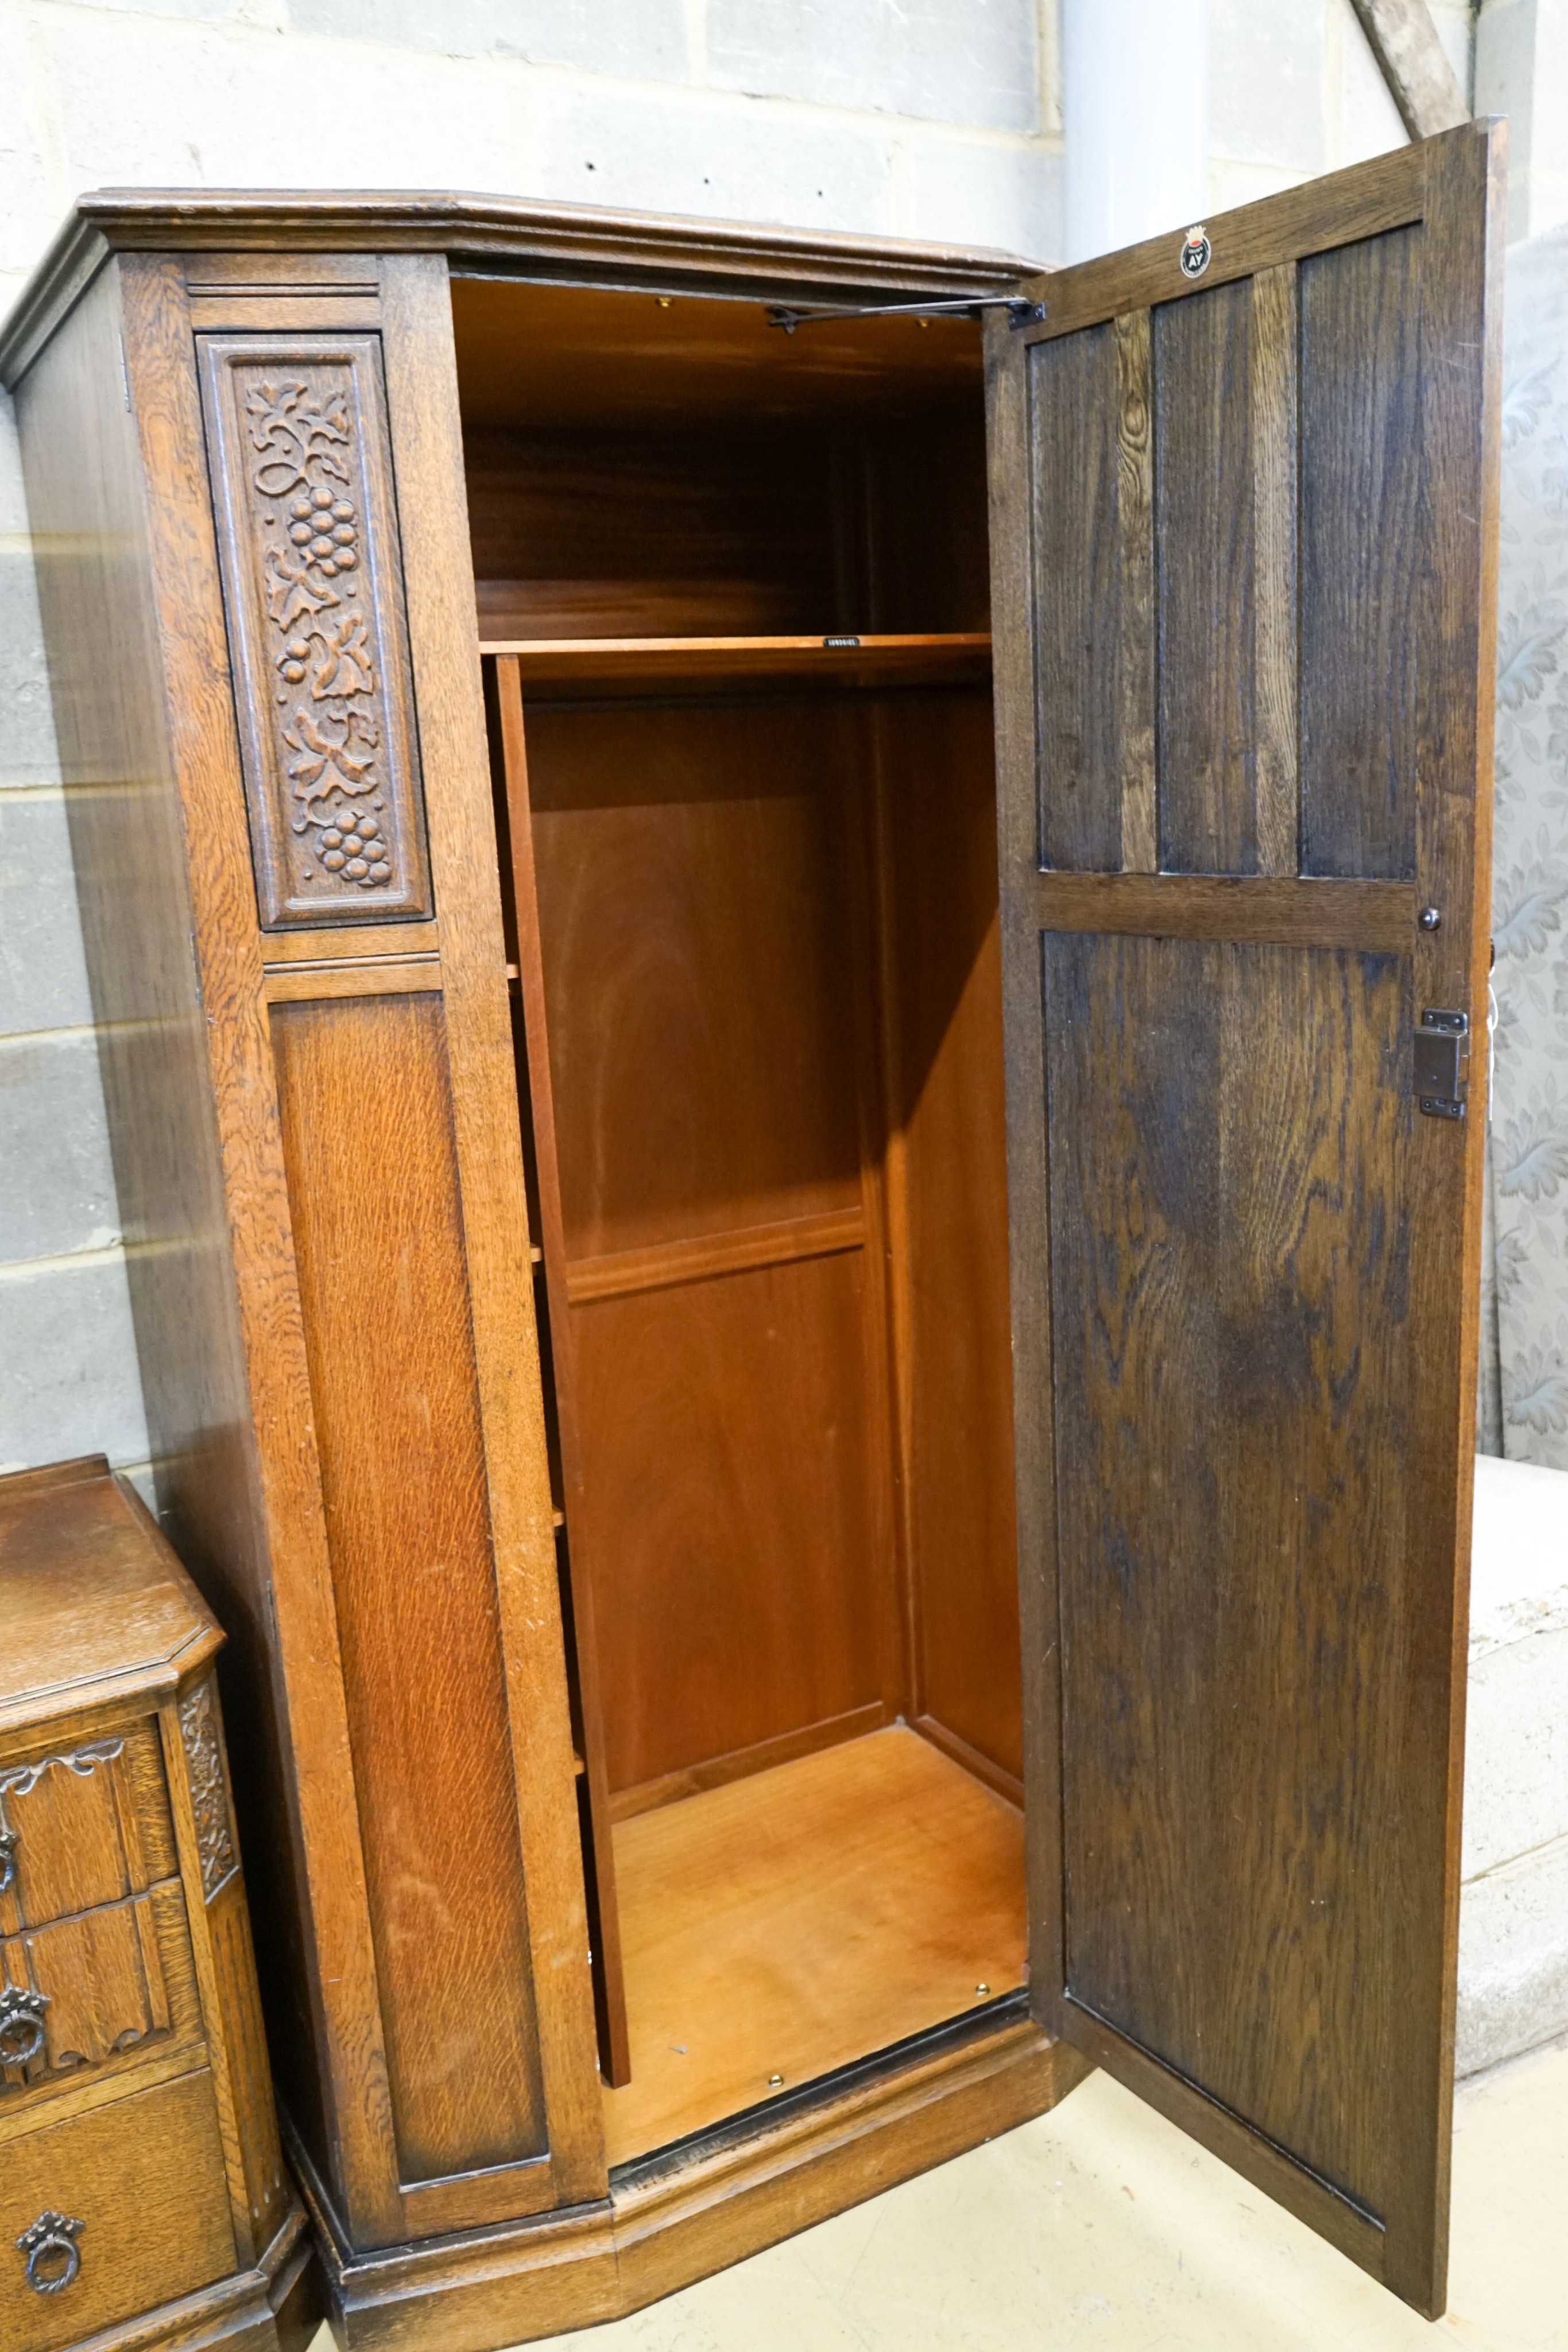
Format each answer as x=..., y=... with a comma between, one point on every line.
x=1430, y=919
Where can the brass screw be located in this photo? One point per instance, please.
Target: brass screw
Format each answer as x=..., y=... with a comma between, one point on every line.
x=776, y=2081
x=663, y=301
x=982, y=1992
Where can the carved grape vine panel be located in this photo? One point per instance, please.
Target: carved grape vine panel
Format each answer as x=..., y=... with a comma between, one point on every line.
x=313, y=587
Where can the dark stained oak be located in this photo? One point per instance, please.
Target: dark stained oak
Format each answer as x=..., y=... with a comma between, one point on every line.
x=1203, y=563
x=1242, y=1381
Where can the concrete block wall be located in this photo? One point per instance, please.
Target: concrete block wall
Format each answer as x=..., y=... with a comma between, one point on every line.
x=936, y=119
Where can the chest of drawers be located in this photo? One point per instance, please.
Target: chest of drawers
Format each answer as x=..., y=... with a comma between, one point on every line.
x=142, y=2197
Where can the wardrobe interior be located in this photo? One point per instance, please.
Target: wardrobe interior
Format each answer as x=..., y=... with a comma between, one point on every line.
x=733, y=603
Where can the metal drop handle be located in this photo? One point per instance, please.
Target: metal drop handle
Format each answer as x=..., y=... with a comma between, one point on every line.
x=53, y=2256
x=21, y=2025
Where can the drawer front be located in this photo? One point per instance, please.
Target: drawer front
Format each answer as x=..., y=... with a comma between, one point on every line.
x=117, y=2211
x=100, y=1991
x=82, y=1823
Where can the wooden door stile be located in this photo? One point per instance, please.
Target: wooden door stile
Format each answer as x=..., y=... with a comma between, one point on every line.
x=610, y=1989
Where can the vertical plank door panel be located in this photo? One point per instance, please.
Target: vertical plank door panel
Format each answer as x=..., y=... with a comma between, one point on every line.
x=1245, y=1264
x=1203, y=534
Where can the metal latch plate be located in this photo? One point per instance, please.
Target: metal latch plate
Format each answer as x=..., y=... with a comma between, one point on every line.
x=1441, y=1042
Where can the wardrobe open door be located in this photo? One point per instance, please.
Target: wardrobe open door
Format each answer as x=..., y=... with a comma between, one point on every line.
x=1243, y=516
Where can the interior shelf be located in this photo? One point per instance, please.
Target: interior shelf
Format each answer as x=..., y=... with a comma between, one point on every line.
x=567, y=665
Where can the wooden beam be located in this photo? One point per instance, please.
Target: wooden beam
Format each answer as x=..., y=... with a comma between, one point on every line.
x=1415, y=64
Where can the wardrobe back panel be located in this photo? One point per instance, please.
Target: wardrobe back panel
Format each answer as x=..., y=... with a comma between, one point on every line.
x=650, y=534
x=695, y=918
x=707, y=997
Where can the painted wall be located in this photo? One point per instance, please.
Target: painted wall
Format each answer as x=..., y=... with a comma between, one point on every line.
x=923, y=118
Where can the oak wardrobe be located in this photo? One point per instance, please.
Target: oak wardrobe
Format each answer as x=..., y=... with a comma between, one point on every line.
x=788, y=933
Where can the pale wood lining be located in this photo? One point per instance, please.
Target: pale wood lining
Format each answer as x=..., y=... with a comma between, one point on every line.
x=568, y=665
x=664, y=1264
x=1273, y=403
x=794, y=1921
x=717, y=1771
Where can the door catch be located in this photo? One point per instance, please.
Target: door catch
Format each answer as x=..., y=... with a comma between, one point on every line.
x=1441, y=1042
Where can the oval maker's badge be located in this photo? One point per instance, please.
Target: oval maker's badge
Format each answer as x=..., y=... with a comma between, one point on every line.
x=1194, y=251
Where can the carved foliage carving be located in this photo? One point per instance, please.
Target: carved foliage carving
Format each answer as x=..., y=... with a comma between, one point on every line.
x=209, y=1787
x=313, y=584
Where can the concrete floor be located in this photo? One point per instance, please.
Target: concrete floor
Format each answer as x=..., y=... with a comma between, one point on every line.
x=1100, y=2225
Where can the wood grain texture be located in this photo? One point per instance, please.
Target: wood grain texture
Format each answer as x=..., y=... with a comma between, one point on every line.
x=116, y=1982
x=1203, y=528
x=88, y=1817
x=576, y=666
x=109, y=546
x=667, y=1263
x=1135, y=713
x=145, y=2176
x=515, y=818
x=1232, y=1402
x=1233, y=1163
x=727, y=1499
x=113, y=1781
x=1379, y=917
x=1362, y=538
x=422, y=399
x=226, y=1349
x=365, y=1100
x=1072, y=471
x=1274, y=422
x=693, y=912
x=1338, y=209
x=948, y=1110
x=1460, y=434
x=803, y=1917
x=659, y=2234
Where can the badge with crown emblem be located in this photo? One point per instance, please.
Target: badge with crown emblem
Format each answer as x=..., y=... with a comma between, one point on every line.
x=1194, y=251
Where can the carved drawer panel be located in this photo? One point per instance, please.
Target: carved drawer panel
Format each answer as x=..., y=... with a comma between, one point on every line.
x=102, y=1990
x=82, y=1823
x=112, y=2213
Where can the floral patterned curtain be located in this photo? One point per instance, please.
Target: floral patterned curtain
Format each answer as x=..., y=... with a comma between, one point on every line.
x=1524, y=1402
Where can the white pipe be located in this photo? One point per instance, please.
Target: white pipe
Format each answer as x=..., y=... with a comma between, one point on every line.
x=1135, y=103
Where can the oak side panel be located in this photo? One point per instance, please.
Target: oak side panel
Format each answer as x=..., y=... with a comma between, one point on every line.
x=133, y=620
x=365, y=1098
x=1360, y=554
x=427, y=444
